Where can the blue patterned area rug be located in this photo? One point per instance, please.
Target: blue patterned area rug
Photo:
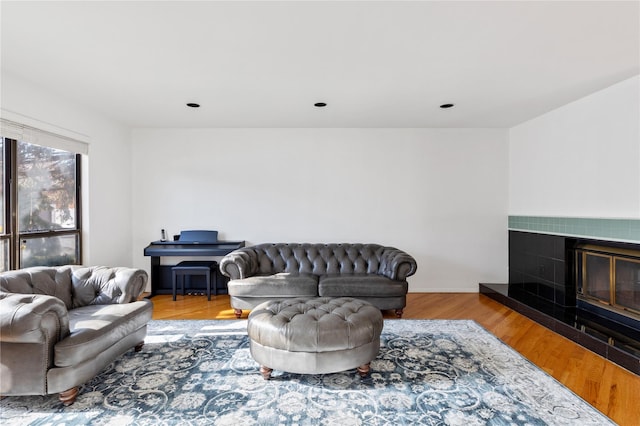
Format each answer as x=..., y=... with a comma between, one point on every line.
x=431, y=372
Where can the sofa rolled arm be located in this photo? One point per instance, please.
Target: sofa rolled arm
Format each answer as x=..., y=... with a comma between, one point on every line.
x=239, y=264
x=32, y=318
x=396, y=264
x=104, y=285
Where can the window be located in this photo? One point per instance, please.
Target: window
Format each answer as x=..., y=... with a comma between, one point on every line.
x=40, y=199
x=4, y=239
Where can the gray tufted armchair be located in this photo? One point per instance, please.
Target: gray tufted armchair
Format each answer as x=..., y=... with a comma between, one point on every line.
x=60, y=326
x=370, y=272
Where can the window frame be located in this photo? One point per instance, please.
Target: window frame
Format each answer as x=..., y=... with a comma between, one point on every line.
x=10, y=194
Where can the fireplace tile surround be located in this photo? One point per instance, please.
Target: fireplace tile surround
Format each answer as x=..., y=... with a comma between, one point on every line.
x=542, y=282
x=623, y=230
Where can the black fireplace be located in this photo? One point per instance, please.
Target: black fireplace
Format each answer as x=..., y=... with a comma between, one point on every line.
x=586, y=290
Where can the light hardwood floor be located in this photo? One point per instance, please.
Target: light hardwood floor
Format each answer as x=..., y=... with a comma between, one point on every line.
x=609, y=388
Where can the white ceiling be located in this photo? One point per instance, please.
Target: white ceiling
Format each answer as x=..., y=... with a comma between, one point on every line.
x=376, y=63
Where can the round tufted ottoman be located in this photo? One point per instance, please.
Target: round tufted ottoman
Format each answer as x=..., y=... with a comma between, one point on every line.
x=314, y=335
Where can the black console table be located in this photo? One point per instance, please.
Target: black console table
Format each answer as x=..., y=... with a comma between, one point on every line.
x=161, y=274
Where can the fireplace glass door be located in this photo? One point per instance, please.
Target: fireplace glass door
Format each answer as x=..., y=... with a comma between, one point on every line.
x=627, y=272
x=597, y=283
x=610, y=277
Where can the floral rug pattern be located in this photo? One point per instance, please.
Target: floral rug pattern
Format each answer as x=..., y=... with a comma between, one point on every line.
x=429, y=372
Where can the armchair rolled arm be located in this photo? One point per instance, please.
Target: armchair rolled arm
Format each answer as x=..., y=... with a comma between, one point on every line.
x=397, y=264
x=31, y=318
x=131, y=282
x=239, y=264
x=103, y=285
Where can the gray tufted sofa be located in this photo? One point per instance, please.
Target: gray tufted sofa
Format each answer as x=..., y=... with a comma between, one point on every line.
x=60, y=326
x=277, y=271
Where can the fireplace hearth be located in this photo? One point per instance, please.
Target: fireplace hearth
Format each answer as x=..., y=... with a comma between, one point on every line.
x=586, y=290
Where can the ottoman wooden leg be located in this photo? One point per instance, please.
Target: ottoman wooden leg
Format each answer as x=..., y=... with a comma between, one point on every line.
x=363, y=370
x=68, y=397
x=266, y=372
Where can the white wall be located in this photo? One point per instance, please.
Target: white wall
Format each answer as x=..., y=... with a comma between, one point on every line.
x=107, y=236
x=441, y=195
x=582, y=159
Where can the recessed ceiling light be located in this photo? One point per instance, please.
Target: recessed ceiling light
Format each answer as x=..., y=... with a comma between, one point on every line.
x=193, y=105
x=320, y=104
x=445, y=106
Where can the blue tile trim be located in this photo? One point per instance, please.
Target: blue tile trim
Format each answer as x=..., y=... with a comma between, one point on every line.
x=627, y=230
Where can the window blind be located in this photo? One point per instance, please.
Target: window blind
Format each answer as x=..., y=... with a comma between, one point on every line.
x=44, y=137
